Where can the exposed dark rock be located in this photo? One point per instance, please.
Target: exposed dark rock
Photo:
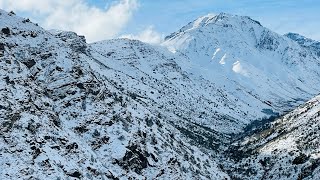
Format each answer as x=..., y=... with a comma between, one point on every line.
x=111, y=176
x=109, y=53
x=2, y=107
x=80, y=85
x=5, y=31
x=30, y=63
x=8, y=80
x=81, y=129
x=11, y=13
x=36, y=153
x=75, y=174
x=268, y=42
x=45, y=56
x=26, y=20
x=2, y=47
x=135, y=159
x=302, y=158
x=33, y=127
x=33, y=34
x=72, y=147
x=8, y=124
x=99, y=142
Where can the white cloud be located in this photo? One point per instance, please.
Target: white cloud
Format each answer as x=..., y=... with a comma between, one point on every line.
x=149, y=35
x=76, y=15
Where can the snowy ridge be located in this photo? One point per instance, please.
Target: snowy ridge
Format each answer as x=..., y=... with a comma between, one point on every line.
x=312, y=45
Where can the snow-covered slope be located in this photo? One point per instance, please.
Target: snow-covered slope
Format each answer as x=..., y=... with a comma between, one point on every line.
x=152, y=74
x=247, y=60
x=61, y=120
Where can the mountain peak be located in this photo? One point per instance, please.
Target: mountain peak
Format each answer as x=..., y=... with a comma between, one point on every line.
x=221, y=20
x=225, y=29
x=212, y=18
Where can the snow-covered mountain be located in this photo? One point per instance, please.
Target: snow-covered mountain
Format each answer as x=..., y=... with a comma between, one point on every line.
x=196, y=107
x=229, y=61
x=253, y=63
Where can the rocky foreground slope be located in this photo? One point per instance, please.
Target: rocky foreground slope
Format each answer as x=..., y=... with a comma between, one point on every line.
x=60, y=119
x=120, y=109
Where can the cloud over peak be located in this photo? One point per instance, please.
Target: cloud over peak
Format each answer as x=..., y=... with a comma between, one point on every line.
x=149, y=35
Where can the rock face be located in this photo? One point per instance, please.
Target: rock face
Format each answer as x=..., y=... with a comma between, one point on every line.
x=121, y=109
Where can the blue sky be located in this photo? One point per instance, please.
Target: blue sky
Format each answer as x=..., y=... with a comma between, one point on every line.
x=151, y=19
x=281, y=16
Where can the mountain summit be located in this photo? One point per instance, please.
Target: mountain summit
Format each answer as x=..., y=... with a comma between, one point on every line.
x=222, y=19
